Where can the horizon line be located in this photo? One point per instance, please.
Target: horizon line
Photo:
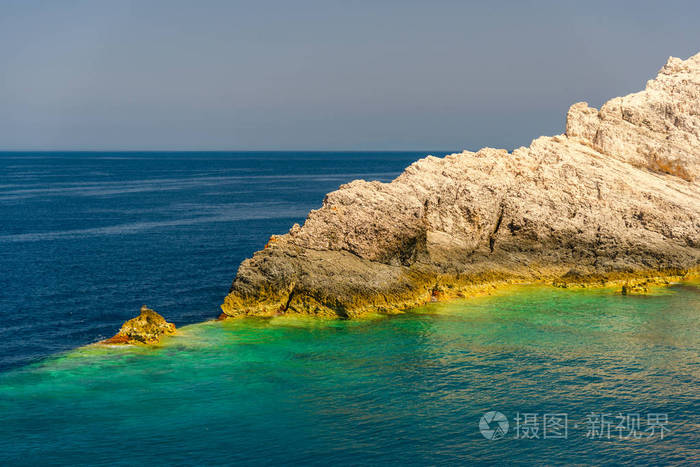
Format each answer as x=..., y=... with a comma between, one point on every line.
x=4, y=151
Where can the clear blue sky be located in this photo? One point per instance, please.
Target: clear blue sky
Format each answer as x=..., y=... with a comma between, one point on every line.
x=320, y=74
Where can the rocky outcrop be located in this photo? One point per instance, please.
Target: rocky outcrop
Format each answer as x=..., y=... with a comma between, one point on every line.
x=147, y=328
x=615, y=198
x=656, y=129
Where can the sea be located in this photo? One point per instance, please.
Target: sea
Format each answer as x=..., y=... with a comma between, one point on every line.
x=526, y=375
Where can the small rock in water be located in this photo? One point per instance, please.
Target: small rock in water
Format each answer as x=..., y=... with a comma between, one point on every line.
x=147, y=328
x=635, y=289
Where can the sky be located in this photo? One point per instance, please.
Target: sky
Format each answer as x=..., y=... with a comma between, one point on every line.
x=320, y=75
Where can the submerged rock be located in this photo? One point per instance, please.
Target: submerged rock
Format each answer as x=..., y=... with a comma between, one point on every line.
x=643, y=286
x=147, y=328
x=635, y=289
x=615, y=198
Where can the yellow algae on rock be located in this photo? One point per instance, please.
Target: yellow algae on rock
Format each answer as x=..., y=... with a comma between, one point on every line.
x=147, y=328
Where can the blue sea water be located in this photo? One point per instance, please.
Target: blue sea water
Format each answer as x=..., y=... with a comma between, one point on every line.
x=87, y=238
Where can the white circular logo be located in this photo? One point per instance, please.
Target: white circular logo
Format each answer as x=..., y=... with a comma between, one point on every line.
x=493, y=425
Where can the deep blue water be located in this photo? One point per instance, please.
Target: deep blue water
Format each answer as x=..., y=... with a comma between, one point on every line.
x=87, y=238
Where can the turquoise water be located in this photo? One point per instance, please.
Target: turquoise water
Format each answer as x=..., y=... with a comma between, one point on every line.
x=409, y=388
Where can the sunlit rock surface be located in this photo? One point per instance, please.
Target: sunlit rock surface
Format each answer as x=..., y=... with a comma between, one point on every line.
x=616, y=197
x=147, y=328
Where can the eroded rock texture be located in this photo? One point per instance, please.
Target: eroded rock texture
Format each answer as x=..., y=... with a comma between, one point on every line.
x=616, y=197
x=147, y=328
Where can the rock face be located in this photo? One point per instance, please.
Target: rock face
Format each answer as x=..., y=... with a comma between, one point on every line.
x=147, y=328
x=617, y=197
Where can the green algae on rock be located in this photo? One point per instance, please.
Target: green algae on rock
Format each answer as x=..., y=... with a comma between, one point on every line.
x=615, y=199
x=147, y=328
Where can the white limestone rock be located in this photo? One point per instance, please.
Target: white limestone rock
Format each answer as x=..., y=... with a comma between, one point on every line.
x=616, y=197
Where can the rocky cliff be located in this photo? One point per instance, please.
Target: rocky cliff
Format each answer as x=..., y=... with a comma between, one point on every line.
x=616, y=198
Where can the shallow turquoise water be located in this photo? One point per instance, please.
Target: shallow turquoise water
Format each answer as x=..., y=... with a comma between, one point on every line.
x=409, y=388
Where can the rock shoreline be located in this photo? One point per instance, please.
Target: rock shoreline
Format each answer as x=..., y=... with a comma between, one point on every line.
x=613, y=201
